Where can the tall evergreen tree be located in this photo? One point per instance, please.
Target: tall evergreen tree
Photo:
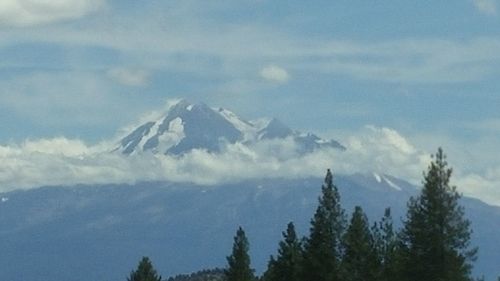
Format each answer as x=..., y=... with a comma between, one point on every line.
x=287, y=265
x=270, y=273
x=386, y=244
x=322, y=249
x=144, y=272
x=239, y=261
x=360, y=261
x=435, y=239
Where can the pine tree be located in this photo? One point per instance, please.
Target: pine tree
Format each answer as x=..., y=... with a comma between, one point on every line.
x=360, y=261
x=239, y=261
x=144, y=272
x=386, y=245
x=286, y=266
x=322, y=249
x=270, y=274
x=435, y=239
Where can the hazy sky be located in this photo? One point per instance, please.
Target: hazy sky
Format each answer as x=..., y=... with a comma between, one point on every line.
x=428, y=71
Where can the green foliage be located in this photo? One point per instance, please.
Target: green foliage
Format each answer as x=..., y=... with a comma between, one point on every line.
x=144, y=272
x=360, y=261
x=202, y=275
x=322, y=249
x=435, y=238
x=287, y=265
x=386, y=245
x=239, y=261
x=269, y=274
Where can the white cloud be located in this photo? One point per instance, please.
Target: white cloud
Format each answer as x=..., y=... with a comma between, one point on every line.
x=485, y=187
x=476, y=172
x=383, y=150
x=57, y=146
x=62, y=161
x=488, y=7
x=274, y=73
x=129, y=76
x=34, y=12
x=386, y=151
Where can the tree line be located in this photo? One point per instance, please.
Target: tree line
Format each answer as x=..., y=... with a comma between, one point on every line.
x=432, y=245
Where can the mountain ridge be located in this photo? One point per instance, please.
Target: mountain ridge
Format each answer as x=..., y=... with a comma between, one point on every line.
x=99, y=232
x=187, y=126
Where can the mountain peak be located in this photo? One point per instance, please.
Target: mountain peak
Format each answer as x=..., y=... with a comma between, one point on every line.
x=275, y=130
x=187, y=126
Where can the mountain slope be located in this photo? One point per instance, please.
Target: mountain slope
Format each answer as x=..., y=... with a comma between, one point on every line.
x=100, y=232
x=189, y=126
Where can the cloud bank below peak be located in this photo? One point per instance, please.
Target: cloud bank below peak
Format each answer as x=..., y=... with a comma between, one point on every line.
x=62, y=161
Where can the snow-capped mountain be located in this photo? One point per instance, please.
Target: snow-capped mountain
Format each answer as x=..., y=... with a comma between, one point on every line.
x=188, y=126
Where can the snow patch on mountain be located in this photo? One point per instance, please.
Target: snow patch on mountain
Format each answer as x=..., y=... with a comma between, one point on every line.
x=176, y=126
x=187, y=126
x=172, y=136
x=261, y=123
x=248, y=129
x=391, y=184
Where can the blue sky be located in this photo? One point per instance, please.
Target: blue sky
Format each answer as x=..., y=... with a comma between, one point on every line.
x=428, y=70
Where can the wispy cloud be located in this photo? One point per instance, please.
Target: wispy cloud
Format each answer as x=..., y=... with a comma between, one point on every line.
x=129, y=76
x=200, y=45
x=28, y=12
x=488, y=7
x=421, y=61
x=274, y=73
